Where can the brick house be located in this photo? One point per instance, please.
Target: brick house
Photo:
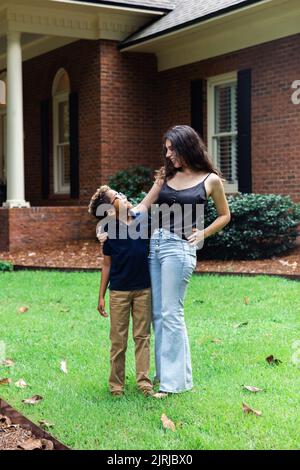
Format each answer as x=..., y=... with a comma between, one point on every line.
x=93, y=85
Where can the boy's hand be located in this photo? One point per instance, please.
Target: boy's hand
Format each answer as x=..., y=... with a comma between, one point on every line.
x=100, y=234
x=101, y=308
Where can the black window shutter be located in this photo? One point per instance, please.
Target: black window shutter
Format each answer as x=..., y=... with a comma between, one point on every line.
x=244, y=131
x=74, y=145
x=197, y=106
x=45, y=140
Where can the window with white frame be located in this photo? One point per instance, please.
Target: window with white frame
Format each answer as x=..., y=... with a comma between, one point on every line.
x=3, y=133
x=222, y=127
x=61, y=132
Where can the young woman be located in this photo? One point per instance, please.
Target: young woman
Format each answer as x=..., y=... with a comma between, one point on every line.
x=188, y=179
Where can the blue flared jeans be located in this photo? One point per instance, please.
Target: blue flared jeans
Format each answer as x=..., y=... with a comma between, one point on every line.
x=171, y=261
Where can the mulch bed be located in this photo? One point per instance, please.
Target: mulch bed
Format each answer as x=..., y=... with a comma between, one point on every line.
x=18, y=433
x=87, y=254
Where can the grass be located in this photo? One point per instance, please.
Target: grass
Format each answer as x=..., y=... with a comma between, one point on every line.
x=62, y=323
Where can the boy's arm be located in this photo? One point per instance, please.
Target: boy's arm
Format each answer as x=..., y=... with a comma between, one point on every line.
x=103, y=285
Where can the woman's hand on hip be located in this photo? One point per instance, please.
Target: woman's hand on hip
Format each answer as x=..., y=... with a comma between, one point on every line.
x=196, y=238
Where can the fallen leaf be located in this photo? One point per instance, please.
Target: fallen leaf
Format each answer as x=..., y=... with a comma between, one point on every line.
x=21, y=383
x=246, y=300
x=23, y=309
x=238, y=325
x=47, y=445
x=248, y=410
x=5, y=422
x=63, y=366
x=31, y=254
x=64, y=309
x=250, y=388
x=216, y=341
x=290, y=265
x=5, y=381
x=271, y=360
x=44, y=424
x=31, y=444
x=7, y=362
x=167, y=423
x=33, y=400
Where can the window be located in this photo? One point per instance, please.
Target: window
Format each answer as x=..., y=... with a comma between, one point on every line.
x=3, y=133
x=222, y=127
x=61, y=132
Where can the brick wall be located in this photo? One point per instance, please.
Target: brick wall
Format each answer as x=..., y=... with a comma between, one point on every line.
x=4, y=231
x=275, y=119
x=117, y=114
x=34, y=227
x=81, y=61
x=129, y=124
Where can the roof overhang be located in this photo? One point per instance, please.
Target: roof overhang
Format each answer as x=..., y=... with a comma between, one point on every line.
x=50, y=24
x=247, y=26
x=120, y=5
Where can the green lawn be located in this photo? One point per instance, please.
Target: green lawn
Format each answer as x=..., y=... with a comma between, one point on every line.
x=62, y=323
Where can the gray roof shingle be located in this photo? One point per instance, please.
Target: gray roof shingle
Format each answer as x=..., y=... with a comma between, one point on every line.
x=185, y=11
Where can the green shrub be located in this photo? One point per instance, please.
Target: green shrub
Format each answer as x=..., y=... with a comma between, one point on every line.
x=261, y=226
x=133, y=181
x=6, y=266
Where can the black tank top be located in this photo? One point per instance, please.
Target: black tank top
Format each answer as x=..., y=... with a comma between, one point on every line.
x=188, y=200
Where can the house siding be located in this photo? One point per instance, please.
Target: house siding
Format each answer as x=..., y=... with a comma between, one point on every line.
x=117, y=114
x=129, y=120
x=81, y=61
x=125, y=106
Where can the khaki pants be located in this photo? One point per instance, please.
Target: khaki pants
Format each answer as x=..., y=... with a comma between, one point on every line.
x=121, y=304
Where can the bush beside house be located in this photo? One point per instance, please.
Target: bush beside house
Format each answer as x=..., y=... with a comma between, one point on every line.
x=261, y=226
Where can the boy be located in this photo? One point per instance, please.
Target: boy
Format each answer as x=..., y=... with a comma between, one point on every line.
x=125, y=268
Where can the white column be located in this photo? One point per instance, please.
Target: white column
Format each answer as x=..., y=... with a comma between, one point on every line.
x=15, y=132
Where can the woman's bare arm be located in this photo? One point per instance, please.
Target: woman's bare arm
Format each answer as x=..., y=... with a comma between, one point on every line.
x=150, y=198
x=216, y=190
x=219, y=198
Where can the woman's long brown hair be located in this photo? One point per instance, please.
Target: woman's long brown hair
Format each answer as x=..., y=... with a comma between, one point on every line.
x=189, y=148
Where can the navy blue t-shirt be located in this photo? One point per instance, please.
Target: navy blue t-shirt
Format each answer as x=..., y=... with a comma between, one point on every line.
x=129, y=262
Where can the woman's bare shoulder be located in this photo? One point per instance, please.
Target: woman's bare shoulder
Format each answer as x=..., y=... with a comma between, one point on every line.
x=214, y=180
x=214, y=184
